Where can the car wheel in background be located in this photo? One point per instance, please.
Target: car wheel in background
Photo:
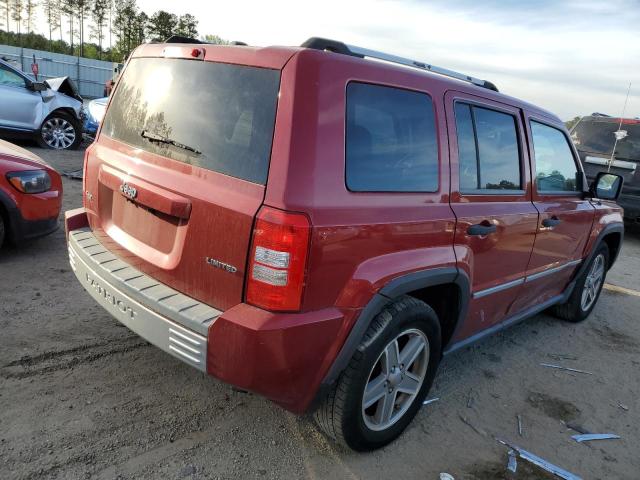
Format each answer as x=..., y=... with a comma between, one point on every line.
x=60, y=131
x=383, y=386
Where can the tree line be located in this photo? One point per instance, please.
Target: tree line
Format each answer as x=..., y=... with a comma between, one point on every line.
x=101, y=29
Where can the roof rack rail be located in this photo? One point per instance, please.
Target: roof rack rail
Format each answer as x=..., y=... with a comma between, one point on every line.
x=318, y=43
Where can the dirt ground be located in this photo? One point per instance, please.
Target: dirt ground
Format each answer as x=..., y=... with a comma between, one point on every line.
x=83, y=397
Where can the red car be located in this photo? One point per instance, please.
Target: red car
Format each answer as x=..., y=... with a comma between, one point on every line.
x=30, y=195
x=320, y=227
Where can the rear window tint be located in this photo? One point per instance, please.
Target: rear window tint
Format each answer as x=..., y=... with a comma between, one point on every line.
x=488, y=151
x=210, y=115
x=391, y=143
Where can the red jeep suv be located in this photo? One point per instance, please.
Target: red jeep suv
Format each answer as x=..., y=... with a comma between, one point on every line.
x=320, y=225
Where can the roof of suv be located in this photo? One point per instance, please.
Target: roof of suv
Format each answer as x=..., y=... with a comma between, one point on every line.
x=277, y=56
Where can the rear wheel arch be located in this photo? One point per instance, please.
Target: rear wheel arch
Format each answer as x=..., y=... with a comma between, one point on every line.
x=423, y=285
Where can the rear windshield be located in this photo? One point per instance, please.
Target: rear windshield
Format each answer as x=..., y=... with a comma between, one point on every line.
x=210, y=115
x=599, y=136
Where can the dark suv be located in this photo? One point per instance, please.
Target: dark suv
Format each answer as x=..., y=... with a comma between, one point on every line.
x=595, y=138
x=320, y=227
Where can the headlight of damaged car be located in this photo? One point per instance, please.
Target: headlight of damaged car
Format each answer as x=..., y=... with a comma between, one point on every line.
x=32, y=181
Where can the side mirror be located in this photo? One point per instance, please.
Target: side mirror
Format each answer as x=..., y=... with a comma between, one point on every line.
x=38, y=86
x=606, y=186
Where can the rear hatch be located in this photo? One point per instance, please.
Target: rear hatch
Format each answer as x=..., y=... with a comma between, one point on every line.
x=595, y=140
x=179, y=170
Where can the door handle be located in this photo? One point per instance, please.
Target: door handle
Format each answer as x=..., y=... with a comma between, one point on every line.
x=551, y=222
x=482, y=229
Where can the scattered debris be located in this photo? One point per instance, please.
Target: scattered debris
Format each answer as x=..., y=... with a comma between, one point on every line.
x=624, y=407
x=427, y=402
x=74, y=174
x=540, y=462
x=577, y=428
x=478, y=430
x=549, y=365
x=519, y=425
x=559, y=356
x=446, y=476
x=512, y=465
x=587, y=437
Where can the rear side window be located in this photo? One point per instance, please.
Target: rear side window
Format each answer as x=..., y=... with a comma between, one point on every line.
x=211, y=115
x=488, y=152
x=391, y=143
x=555, y=166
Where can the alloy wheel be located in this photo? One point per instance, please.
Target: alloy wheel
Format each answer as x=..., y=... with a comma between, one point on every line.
x=58, y=133
x=395, y=379
x=592, y=283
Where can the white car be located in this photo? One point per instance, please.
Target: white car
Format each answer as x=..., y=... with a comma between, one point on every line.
x=50, y=112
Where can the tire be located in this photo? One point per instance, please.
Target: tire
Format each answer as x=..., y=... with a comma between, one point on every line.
x=408, y=321
x=3, y=229
x=575, y=309
x=60, y=131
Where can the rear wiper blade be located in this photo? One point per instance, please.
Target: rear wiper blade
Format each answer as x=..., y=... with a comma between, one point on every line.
x=154, y=137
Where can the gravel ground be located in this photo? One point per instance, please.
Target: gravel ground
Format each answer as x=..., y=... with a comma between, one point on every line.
x=83, y=397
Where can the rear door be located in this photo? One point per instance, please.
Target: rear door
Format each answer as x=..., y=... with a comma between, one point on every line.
x=565, y=216
x=179, y=169
x=491, y=198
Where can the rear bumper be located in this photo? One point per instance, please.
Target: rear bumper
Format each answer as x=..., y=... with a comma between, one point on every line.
x=283, y=357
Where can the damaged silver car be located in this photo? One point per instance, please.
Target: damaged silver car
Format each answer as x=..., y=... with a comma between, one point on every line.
x=50, y=112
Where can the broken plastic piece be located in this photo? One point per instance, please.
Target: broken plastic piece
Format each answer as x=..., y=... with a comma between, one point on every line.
x=549, y=365
x=594, y=436
x=512, y=466
x=427, y=402
x=542, y=463
x=446, y=476
x=519, y=425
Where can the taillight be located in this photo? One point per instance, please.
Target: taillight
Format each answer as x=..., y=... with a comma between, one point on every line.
x=278, y=260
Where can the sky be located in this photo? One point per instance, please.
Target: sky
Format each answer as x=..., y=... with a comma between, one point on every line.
x=573, y=57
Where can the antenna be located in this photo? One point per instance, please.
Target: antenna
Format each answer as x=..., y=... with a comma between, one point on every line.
x=618, y=134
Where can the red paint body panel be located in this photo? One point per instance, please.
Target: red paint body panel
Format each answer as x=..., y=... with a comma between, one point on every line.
x=281, y=356
x=359, y=241
x=32, y=207
x=171, y=248
x=503, y=256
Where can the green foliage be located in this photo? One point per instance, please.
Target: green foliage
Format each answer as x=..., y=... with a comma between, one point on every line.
x=187, y=26
x=215, y=39
x=120, y=20
x=162, y=25
x=571, y=123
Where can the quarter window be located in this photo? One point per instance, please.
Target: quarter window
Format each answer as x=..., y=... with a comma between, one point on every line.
x=391, y=143
x=555, y=165
x=488, y=152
